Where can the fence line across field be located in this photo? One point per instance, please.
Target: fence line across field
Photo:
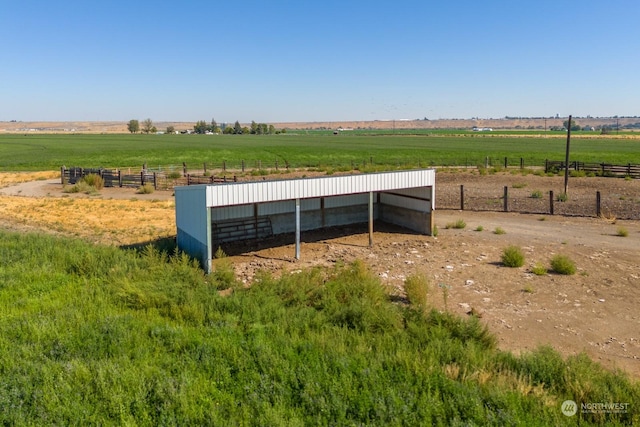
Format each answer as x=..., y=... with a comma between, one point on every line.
x=502, y=199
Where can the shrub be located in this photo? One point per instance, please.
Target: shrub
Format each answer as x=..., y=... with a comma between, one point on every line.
x=562, y=197
x=537, y=194
x=562, y=264
x=434, y=232
x=417, y=287
x=94, y=180
x=512, y=256
x=539, y=269
x=519, y=185
x=459, y=224
x=145, y=189
x=479, y=228
x=622, y=232
x=578, y=174
x=174, y=175
x=499, y=230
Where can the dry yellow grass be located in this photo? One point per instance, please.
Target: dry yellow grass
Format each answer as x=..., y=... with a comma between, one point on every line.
x=114, y=222
x=8, y=178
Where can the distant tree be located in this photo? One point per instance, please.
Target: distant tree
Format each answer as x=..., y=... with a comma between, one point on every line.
x=228, y=130
x=154, y=129
x=264, y=129
x=147, y=125
x=171, y=129
x=245, y=130
x=237, y=129
x=272, y=129
x=574, y=125
x=201, y=127
x=254, y=128
x=214, y=126
x=133, y=126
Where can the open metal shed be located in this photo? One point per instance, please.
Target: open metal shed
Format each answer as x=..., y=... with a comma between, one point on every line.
x=209, y=215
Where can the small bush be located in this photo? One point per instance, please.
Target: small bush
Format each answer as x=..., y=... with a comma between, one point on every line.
x=174, y=175
x=537, y=194
x=562, y=264
x=499, y=230
x=519, y=185
x=622, y=232
x=94, y=180
x=578, y=174
x=417, y=287
x=562, y=197
x=145, y=189
x=479, y=228
x=512, y=256
x=459, y=224
x=539, y=269
x=434, y=232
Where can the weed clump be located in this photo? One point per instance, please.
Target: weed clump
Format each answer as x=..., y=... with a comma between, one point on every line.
x=459, y=224
x=562, y=264
x=145, y=189
x=512, y=256
x=539, y=269
x=416, y=288
x=94, y=180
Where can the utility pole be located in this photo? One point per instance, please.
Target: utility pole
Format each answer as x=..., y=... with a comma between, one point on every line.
x=566, y=158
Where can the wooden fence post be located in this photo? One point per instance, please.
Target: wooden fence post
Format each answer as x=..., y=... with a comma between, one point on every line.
x=62, y=171
x=521, y=163
x=188, y=179
x=276, y=164
x=204, y=165
x=184, y=169
x=546, y=166
x=505, y=163
x=224, y=166
x=506, y=198
x=142, y=178
x=243, y=166
x=461, y=197
x=119, y=178
x=598, y=212
x=551, y=202
x=155, y=180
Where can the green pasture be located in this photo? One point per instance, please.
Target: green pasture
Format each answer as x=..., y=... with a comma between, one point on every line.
x=305, y=149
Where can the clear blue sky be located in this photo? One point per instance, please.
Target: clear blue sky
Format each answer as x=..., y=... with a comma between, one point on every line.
x=274, y=61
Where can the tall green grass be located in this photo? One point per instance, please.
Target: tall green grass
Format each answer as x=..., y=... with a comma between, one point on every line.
x=100, y=335
x=365, y=151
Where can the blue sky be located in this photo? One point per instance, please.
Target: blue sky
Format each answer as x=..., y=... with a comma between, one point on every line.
x=299, y=60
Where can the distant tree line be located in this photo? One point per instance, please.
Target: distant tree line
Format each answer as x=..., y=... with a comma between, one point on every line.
x=202, y=127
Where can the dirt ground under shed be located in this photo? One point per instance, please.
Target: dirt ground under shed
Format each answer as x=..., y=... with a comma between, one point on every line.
x=594, y=311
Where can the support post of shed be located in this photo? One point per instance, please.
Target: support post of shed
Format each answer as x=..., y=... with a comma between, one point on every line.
x=297, y=228
x=370, y=219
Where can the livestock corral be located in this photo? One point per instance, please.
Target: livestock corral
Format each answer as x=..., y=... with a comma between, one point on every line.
x=592, y=311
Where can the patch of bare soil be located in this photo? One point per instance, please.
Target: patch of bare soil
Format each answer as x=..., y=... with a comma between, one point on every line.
x=593, y=311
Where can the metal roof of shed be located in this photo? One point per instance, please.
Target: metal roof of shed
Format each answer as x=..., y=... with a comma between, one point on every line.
x=288, y=189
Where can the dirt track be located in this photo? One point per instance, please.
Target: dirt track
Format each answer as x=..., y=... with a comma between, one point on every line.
x=594, y=310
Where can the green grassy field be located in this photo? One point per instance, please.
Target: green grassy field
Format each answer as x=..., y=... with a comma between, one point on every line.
x=315, y=149
x=95, y=335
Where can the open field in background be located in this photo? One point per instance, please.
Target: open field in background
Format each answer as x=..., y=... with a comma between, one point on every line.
x=33, y=152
